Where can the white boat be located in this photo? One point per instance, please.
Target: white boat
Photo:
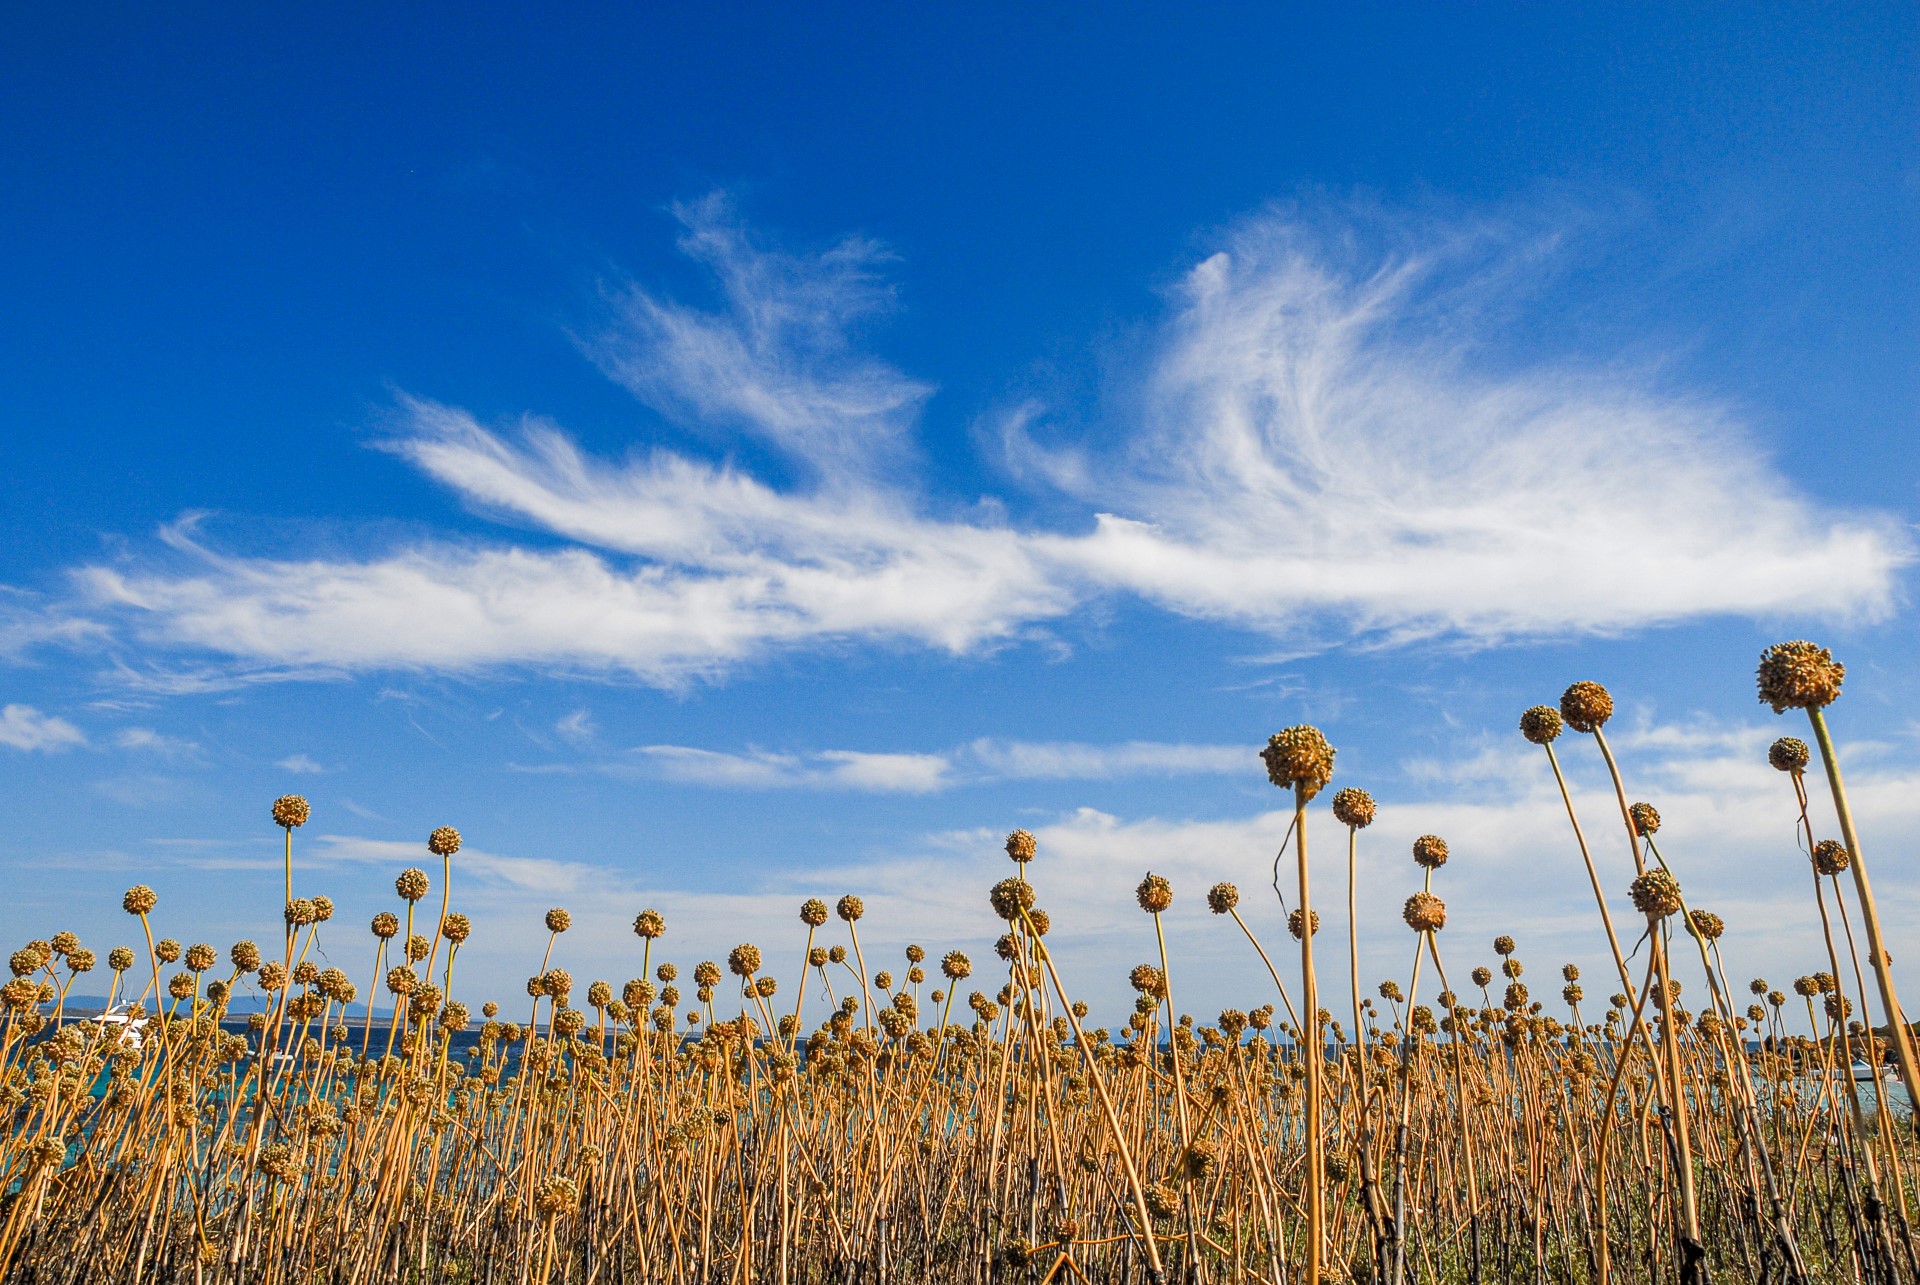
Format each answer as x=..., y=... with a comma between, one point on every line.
x=118, y=1026
x=1862, y=1073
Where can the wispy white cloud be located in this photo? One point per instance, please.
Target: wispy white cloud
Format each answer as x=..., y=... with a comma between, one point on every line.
x=149, y=741
x=1316, y=451
x=1078, y=761
x=978, y=762
x=576, y=727
x=25, y=728
x=832, y=769
x=300, y=763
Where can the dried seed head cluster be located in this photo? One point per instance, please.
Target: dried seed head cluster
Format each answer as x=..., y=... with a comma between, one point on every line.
x=412, y=884
x=1830, y=857
x=1294, y=921
x=1789, y=754
x=1645, y=818
x=1222, y=898
x=1799, y=675
x=813, y=912
x=1021, y=846
x=1353, y=807
x=1586, y=706
x=1541, y=724
x=1299, y=758
x=1424, y=912
x=1656, y=894
x=290, y=811
x=1154, y=894
x=649, y=924
x=1430, y=850
x=444, y=842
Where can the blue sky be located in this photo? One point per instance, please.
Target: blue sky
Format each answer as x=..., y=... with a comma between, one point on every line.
x=717, y=458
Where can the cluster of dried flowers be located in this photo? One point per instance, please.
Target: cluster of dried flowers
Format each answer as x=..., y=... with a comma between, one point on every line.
x=653, y=1136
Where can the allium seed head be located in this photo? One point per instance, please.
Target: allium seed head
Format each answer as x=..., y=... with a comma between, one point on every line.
x=290, y=811
x=1541, y=724
x=457, y=928
x=1799, y=675
x=1424, y=912
x=1789, y=754
x=1021, y=846
x=1830, y=857
x=1656, y=894
x=558, y=920
x=1299, y=757
x=1645, y=818
x=120, y=959
x=1430, y=850
x=1706, y=924
x=386, y=925
x=649, y=924
x=1293, y=923
x=956, y=966
x=850, y=908
x=744, y=960
x=1352, y=807
x=1482, y=975
x=813, y=912
x=1009, y=897
x=1223, y=897
x=412, y=884
x=1586, y=706
x=140, y=900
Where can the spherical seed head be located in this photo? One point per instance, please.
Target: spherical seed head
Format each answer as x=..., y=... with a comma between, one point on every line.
x=1154, y=894
x=850, y=908
x=300, y=912
x=1040, y=921
x=1482, y=975
x=1503, y=945
x=836, y=954
x=1571, y=972
x=120, y=959
x=140, y=900
x=1148, y=980
x=1799, y=675
x=744, y=960
x=558, y=983
x=1645, y=818
x=1293, y=923
x=649, y=924
x=1541, y=724
x=813, y=912
x=444, y=842
x=556, y=1196
x=1706, y=924
x=412, y=884
x=306, y=972
x=1830, y=857
x=1586, y=706
x=1009, y=897
x=386, y=925
x=956, y=966
x=1353, y=808
x=1789, y=754
x=765, y=986
x=558, y=920
x=1805, y=987
x=290, y=811
x=457, y=928
x=1655, y=894
x=1424, y=912
x=1299, y=756
x=1021, y=846
x=201, y=956
x=1223, y=897
x=1430, y=850
x=167, y=950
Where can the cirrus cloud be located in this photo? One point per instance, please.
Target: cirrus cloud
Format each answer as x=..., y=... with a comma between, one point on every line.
x=1314, y=454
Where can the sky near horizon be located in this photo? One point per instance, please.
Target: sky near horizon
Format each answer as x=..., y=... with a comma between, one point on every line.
x=718, y=458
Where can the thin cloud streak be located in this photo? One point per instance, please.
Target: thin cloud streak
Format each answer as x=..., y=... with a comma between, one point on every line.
x=25, y=728
x=1315, y=457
